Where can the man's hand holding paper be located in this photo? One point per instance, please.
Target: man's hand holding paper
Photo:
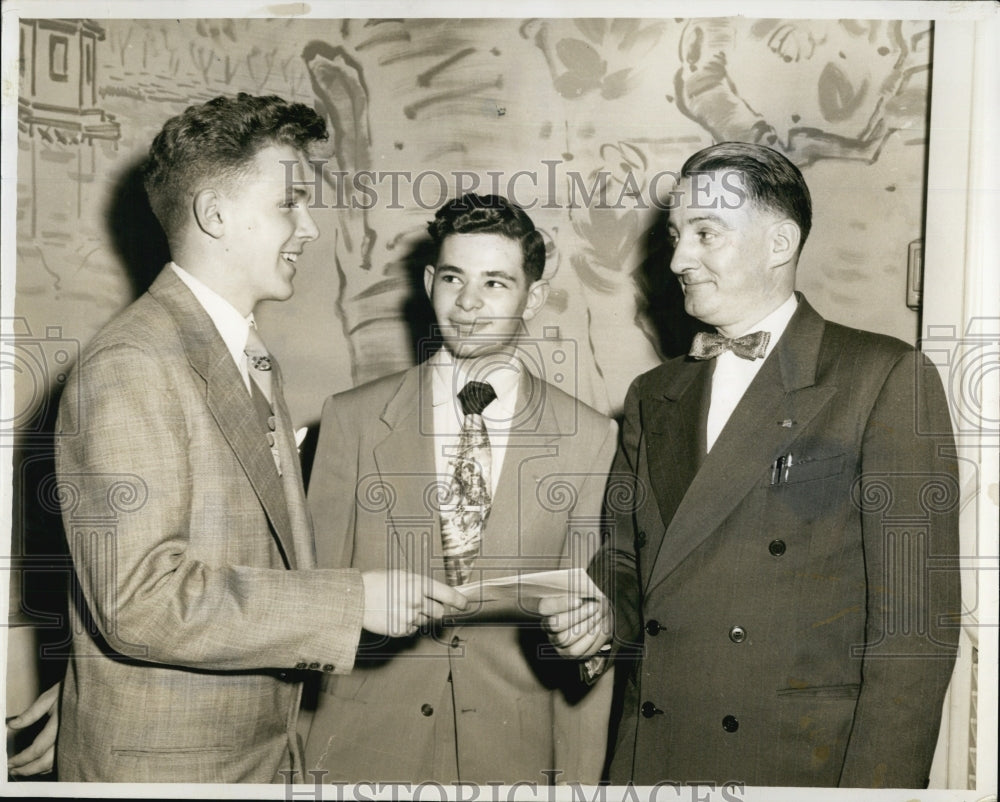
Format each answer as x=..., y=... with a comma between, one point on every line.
x=575, y=613
x=578, y=626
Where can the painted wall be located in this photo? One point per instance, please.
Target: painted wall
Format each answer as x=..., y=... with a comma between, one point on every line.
x=579, y=120
x=544, y=110
x=550, y=105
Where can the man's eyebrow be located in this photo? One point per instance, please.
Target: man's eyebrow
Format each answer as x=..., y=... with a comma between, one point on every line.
x=702, y=218
x=709, y=218
x=298, y=192
x=500, y=274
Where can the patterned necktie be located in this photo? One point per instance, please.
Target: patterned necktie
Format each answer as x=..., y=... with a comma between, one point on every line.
x=259, y=363
x=749, y=346
x=259, y=367
x=467, y=507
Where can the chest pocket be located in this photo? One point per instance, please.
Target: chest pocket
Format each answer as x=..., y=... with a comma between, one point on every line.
x=806, y=469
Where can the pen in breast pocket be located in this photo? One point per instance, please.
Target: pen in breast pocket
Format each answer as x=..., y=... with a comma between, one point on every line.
x=776, y=468
x=788, y=466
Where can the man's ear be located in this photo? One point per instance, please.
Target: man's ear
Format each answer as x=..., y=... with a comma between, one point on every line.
x=429, y=280
x=538, y=294
x=208, y=212
x=785, y=237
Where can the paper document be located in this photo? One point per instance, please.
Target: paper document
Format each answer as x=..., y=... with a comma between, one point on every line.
x=518, y=595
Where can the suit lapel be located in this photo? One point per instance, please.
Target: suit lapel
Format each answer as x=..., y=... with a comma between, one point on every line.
x=303, y=542
x=779, y=404
x=228, y=401
x=674, y=436
x=532, y=436
x=406, y=463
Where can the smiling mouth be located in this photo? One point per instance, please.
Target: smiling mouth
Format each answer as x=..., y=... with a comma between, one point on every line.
x=469, y=327
x=289, y=257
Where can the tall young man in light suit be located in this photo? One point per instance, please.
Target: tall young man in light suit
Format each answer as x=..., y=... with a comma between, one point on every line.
x=201, y=607
x=787, y=566
x=479, y=701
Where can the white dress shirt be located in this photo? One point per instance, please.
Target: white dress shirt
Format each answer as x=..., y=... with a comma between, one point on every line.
x=732, y=374
x=232, y=326
x=449, y=377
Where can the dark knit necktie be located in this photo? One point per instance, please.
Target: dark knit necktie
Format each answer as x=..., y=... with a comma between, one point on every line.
x=464, y=514
x=750, y=346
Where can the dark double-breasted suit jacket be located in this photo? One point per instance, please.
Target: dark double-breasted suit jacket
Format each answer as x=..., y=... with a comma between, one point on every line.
x=196, y=604
x=799, y=627
x=472, y=702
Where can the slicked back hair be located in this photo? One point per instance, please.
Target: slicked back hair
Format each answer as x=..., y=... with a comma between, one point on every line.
x=770, y=180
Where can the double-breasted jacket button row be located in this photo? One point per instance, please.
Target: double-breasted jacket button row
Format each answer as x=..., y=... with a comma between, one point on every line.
x=649, y=710
x=737, y=634
x=653, y=627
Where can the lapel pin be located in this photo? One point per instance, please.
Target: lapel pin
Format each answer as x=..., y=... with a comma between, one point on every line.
x=787, y=423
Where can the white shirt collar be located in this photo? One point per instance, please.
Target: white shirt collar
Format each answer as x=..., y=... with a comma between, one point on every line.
x=775, y=323
x=450, y=376
x=232, y=326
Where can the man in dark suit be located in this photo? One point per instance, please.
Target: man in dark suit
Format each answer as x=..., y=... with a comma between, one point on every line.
x=200, y=604
x=484, y=700
x=781, y=568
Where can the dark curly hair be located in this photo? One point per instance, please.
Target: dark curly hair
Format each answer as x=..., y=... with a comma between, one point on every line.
x=492, y=214
x=219, y=140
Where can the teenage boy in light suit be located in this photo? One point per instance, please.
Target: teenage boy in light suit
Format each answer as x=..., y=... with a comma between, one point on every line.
x=200, y=606
x=479, y=701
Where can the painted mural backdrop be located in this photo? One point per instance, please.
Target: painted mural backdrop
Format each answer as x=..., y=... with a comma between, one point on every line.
x=579, y=120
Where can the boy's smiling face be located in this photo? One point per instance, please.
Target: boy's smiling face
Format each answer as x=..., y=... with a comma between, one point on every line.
x=480, y=293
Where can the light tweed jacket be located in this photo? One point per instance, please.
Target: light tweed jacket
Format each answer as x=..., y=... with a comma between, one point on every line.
x=198, y=604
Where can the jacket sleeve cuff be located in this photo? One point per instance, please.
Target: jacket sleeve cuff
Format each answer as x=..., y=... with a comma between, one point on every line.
x=594, y=666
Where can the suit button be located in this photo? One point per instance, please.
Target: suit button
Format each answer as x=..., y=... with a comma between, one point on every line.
x=300, y=666
x=426, y=709
x=328, y=668
x=649, y=710
x=640, y=539
x=654, y=627
x=282, y=675
x=776, y=547
x=313, y=666
x=737, y=634
x=456, y=642
x=730, y=724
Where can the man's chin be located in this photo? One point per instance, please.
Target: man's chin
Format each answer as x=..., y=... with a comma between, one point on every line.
x=467, y=350
x=282, y=293
x=698, y=310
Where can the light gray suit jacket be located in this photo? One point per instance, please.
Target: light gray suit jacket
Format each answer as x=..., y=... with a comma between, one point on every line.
x=474, y=702
x=197, y=603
